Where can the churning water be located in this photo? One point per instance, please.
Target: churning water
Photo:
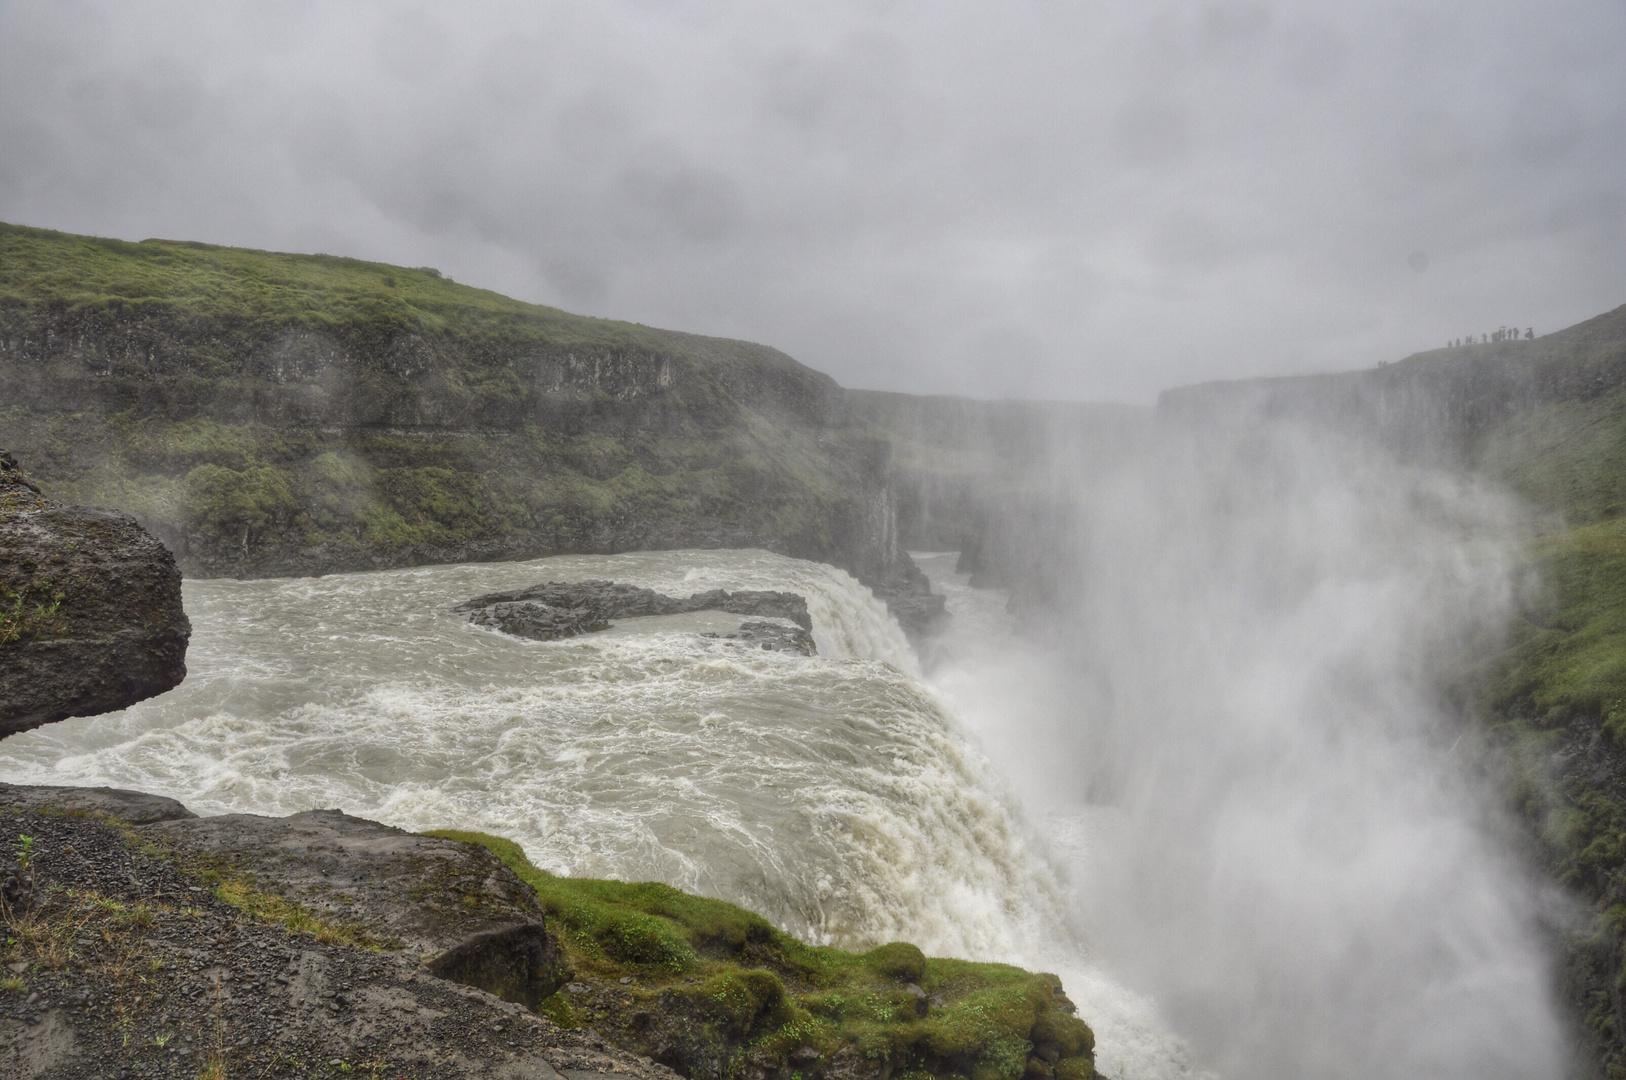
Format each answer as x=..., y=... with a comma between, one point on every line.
x=839, y=795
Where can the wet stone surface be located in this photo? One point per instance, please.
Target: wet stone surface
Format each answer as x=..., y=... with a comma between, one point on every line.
x=556, y=609
x=775, y=637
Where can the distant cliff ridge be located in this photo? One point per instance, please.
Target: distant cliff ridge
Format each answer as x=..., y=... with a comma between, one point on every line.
x=1440, y=401
x=959, y=464
x=271, y=414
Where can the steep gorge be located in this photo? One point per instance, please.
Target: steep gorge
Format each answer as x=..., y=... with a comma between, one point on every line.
x=271, y=414
x=1533, y=432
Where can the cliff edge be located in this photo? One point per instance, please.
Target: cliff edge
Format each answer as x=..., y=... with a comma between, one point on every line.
x=144, y=941
x=90, y=609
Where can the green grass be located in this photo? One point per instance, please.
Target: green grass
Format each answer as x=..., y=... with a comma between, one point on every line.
x=1555, y=704
x=1568, y=658
x=30, y=612
x=1568, y=457
x=754, y=996
x=91, y=275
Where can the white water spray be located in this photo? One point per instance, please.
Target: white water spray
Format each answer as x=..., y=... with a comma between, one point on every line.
x=1236, y=738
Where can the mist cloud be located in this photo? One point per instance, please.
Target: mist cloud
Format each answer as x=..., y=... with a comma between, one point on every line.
x=1037, y=199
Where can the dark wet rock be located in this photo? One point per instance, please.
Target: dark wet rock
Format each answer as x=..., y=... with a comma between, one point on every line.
x=516, y=963
x=776, y=637
x=539, y=621
x=907, y=593
x=90, y=609
x=762, y=604
x=559, y=609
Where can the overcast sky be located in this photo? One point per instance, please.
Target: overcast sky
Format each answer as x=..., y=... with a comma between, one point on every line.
x=1092, y=199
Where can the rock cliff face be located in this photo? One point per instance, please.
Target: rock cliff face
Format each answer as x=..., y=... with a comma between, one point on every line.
x=90, y=609
x=274, y=414
x=960, y=465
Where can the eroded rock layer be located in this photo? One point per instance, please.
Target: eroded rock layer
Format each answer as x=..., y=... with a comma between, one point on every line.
x=90, y=609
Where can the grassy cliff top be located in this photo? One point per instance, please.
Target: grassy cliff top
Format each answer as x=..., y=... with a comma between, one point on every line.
x=1594, y=347
x=244, y=287
x=85, y=273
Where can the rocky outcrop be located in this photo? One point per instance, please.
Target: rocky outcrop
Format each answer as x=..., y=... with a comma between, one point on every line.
x=132, y=807
x=175, y=948
x=559, y=609
x=769, y=636
x=456, y=906
x=90, y=609
x=908, y=596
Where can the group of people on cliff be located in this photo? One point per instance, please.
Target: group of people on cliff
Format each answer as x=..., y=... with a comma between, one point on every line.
x=1501, y=333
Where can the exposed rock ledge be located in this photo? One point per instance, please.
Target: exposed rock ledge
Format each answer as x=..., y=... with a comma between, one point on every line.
x=142, y=941
x=145, y=941
x=558, y=609
x=90, y=609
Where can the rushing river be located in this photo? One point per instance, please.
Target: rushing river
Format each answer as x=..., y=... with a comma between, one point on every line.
x=844, y=796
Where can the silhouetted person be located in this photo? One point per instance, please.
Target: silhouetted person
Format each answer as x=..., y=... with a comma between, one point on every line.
x=1530, y=334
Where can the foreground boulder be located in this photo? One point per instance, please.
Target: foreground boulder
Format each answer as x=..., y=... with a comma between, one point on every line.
x=90, y=609
x=319, y=944
x=143, y=941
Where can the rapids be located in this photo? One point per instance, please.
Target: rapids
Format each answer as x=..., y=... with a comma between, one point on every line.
x=839, y=795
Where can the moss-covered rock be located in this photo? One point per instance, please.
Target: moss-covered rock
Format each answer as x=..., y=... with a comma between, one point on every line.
x=717, y=992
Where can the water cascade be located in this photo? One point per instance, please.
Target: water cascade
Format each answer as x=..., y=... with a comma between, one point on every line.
x=834, y=794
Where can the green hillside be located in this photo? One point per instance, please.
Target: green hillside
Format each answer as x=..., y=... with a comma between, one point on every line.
x=270, y=413
x=1556, y=699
